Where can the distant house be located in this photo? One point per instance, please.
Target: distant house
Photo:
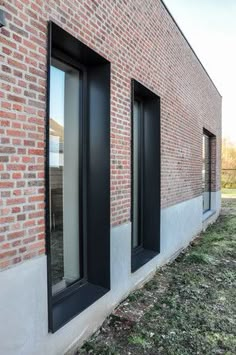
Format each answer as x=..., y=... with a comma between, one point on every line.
x=109, y=161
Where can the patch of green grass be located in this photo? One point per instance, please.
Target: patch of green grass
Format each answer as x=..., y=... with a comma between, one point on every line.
x=94, y=348
x=228, y=193
x=199, y=258
x=134, y=296
x=139, y=340
x=193, y=303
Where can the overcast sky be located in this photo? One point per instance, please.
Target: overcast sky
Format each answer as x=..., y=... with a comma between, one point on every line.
x=210, y=27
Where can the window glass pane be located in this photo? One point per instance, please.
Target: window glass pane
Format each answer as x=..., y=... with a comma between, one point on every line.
x=135, y=173
x=64, y=175
x=206, y=173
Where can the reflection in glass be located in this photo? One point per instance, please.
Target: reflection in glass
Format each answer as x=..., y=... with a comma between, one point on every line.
x=64, y=175
x=206, y=173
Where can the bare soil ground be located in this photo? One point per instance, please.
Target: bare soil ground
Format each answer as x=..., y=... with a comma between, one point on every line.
x=189, y=307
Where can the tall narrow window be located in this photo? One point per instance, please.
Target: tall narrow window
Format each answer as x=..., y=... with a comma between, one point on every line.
x=145, y=175
x=137, y=171
x=77, y=173
x=64, y=175
x=206, y=172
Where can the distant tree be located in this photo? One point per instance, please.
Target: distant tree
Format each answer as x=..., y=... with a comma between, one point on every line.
x=228, y=178
x=228, y=154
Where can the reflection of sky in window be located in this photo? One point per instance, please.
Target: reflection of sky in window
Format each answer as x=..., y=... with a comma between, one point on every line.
x=57, y=90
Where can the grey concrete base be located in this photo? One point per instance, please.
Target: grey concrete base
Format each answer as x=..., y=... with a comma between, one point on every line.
x=23, y=296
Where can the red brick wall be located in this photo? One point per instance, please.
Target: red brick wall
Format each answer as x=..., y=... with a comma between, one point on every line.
x=141, y=41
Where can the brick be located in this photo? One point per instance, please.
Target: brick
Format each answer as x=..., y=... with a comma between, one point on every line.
x=15, y=133
x=143, y=44
x=16, y=209
x=14, y=235
x=17, y=175
x=16, y=260
x=6, y=184
x=15, y=167
x=7, y=254
x=21, y=217
x=15, y=201
x=7, y=150
x=15, y=98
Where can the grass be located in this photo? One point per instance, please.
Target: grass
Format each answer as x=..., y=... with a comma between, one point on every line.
x=187, y=308
x=228, y=205
x=228, y=193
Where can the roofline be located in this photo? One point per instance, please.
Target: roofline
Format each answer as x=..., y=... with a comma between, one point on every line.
x=167, y=9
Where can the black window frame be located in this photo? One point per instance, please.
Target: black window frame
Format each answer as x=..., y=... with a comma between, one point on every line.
x=94, y=177
x=210, y=137
x=149, y=231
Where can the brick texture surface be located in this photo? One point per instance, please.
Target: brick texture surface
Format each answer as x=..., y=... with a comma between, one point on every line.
x=141, y=41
